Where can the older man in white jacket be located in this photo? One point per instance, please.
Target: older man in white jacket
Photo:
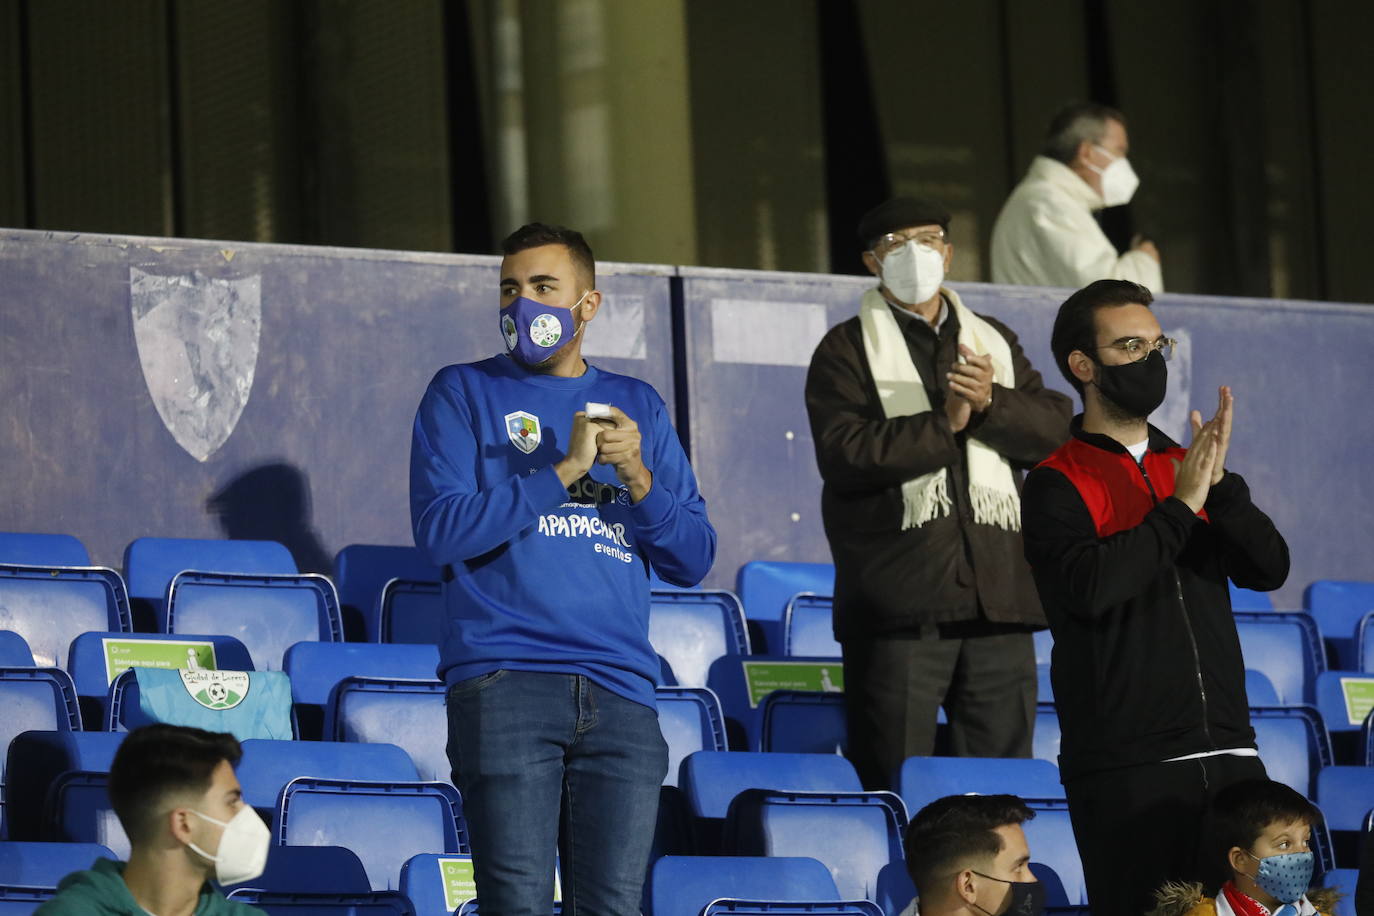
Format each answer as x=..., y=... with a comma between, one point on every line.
x=1046, y=234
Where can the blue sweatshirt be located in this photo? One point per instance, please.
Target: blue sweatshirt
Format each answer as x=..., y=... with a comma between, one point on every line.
x=542, y=577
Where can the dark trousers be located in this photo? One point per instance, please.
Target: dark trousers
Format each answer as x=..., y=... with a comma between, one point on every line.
x=894, y=687
x=1138, y=827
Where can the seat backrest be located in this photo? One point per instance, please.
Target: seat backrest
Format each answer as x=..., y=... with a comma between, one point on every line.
x=732, y=907
x=267, y=766
x=384, y=823
x=35, y=760
x=1050, y=837
x=1044, y=684
x=375, y=903
x=1044, y=646
x=49, y=606
x=1345, y=881
x=711, y=779
x=26, y=549
x=438, y=883
x=691, y=720
x=807, y=626
x=1247, y=599
x=804, y=722
x=742, y=682
x=766, y=586
x=1338, y=606
x=361, y=571
x=1344, y=699
x=691, y=629
x=921, y=780
x=23, y=901
x=1345, y=794
x=78, y=810
x=853, y=834
x=1259, y=690
x=35, y=699
x=1045, y=739
x=32, y=864
x=316, y=667
x=14, y=650
x=151, y=563
x=412, y=611
x=310, y=869
x=407, y=713
x=1294, y=743
x=268, y=614
x=1286, y=647
x=682, y=885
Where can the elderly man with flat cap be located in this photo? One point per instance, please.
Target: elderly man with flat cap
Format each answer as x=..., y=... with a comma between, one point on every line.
x=924, y=414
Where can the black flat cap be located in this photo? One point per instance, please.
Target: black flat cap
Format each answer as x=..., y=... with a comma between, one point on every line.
x=901, y=213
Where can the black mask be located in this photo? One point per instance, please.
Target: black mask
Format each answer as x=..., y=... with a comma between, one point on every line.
x=1027, y=898
x=1138, y=388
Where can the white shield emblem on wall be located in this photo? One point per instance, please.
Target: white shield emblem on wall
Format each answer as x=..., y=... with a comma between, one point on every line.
x=197, y=342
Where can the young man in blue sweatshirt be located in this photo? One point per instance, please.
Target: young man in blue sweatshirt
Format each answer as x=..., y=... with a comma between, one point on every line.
x=546, y=521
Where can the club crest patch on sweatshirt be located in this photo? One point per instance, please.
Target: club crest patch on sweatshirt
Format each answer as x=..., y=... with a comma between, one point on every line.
x=523, y=430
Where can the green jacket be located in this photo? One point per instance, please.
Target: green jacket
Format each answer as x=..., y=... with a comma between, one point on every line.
x=101, y=891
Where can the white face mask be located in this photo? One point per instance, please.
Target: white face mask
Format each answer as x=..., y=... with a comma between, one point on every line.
x=1119, y=180
x=243, y=846
x=913, y=273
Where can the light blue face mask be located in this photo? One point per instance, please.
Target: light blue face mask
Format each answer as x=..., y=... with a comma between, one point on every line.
x=1286, y=877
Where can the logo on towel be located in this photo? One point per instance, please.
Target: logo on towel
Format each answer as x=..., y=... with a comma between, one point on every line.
x=523, y=429
x=216, y=690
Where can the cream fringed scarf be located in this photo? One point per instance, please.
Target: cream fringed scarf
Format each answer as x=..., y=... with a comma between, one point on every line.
x=992, y=488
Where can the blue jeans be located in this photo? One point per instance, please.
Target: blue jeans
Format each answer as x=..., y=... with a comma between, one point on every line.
x=554, y=761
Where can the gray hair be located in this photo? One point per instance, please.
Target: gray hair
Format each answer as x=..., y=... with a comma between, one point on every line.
x=1076, y=123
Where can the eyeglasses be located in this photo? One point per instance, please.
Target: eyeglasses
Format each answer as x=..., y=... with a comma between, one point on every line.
x=1137, y=348
x=930, y=238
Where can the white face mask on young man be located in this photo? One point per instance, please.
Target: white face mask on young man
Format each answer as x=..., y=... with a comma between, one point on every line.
x=243, y=846
x=913, y=273
x=1119, y=180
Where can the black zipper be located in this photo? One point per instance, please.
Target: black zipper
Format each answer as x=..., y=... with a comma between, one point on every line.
x=1187, y=623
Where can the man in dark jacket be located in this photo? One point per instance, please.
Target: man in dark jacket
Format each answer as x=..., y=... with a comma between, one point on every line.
x=1131, y=540
x=923, y=413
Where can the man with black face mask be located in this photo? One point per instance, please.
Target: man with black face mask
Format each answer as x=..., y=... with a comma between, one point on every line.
x=1131, y=540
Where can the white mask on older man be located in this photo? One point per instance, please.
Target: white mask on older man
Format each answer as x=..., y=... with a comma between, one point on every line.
x=913, y=273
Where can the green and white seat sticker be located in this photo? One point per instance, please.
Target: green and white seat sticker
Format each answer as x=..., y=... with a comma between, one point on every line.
x=1359, y=698
x=123, y=654
x=460, y=886
x=762, y=678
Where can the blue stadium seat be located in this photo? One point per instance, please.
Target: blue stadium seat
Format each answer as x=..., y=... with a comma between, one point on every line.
x=25, y=549
x=310, y=870
x=438, y=883
x=734, y=907
x=41, y=699
x=14, y=650
x=407, y=713
x=1259, y=690
x=362, y=570
x=742, y=682
x=691, y=629
x=691, y=720
x=23, y=901
x=1050, y=837
x=1343, y=699
x=852, y=834
x=375, y=903
x=1044, y=685
x=921, y=780
x=895, y=890
x=1345, y=794
x=683, y=885
x=1338, y=607
x=804, y=722
x=29, y=864
x=711, y=780
x=1045, y=738
x=807, y=626
x=36, y=759
x=1044, y=646
x=1247, y=599
x=93, y=668
x=267, y=766
x=268, y=614
x=1286, y=647
x=765, y=587
x=412, y=611
x=315, y=667
x=49, y=605
x=1293, y=744
x=385, y=823
x=1364, y=643
x=150, y=564
x=1344, y=881
x=77, y=810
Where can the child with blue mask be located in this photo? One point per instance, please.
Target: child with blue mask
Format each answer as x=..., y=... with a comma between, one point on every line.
x=1260, y=839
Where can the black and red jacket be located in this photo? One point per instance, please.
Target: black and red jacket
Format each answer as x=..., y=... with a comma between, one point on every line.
x=1147, y=663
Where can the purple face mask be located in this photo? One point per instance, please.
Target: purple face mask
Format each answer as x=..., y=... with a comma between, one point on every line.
x=534, y=331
